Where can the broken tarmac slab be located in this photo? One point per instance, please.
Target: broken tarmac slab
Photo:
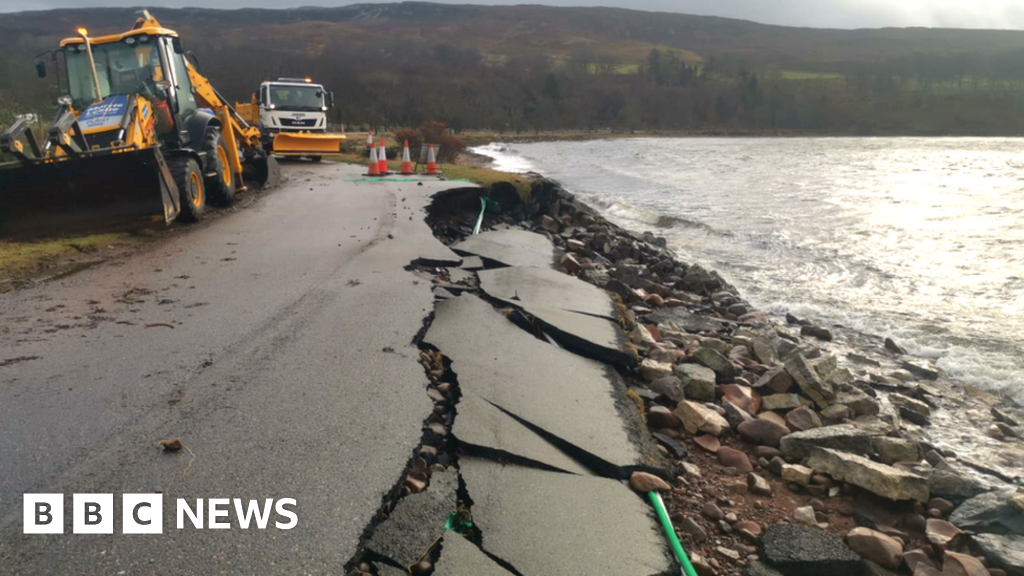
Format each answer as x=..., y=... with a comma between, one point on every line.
x=510, y=247
x=799, y=551
x=416, y=521
x=545, y=288
x=460, y=557
x=578, y=315
x=488, y=431
x=472, y=263
x=559, y=525
x=577, y=401
x=589, y=336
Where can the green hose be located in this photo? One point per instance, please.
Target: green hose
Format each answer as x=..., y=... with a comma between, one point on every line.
x=480, y=219
x=677, y=547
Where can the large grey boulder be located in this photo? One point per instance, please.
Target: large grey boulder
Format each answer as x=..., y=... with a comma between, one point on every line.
x=891, y=450
x=762, y=431
x=954, y=483
x=827, y=368
x=684, y=320
x=764, y=351
x=859, y=403
x=991, y=512
x=845, y=437
x=697, y=417
x=724, y=371
x=810, y=382
x=670, y=387
x=781, y=402
x=775, y=380
x=885, y=481
x=914, y=410
x=921, y=369
x=698, y=381
x=1002, y=551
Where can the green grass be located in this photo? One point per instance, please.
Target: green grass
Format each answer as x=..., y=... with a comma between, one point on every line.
x=18, y=257
x=483, y=177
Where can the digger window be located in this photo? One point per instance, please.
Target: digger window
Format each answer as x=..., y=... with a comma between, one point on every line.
x=125, y=67
x=182, y=83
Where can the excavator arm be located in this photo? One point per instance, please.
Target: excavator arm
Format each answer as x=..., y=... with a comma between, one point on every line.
x=239, y=137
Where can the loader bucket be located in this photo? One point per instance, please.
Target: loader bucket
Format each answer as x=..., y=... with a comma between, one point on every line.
x=85, y=194
x=263, y=170
x=307, y=144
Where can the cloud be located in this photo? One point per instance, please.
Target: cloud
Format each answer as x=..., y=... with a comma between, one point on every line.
x=1001, y=14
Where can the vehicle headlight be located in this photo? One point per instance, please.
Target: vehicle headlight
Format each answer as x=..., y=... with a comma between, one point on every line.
x=324, y=108
x=64, y=100
x=272, y=106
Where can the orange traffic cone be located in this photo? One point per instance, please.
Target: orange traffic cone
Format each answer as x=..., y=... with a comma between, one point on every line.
x=374, y=165
x=369, y=139
x=382, y=159
x=431, y=161
x=406, y=161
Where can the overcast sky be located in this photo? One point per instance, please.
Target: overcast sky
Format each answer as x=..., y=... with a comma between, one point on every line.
x=1004, y=14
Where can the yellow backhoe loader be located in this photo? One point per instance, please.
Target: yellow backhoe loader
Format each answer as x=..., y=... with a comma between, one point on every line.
x=292, y=116
x=139, y=132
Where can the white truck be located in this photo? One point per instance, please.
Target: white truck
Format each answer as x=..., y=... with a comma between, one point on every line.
x=292, y=117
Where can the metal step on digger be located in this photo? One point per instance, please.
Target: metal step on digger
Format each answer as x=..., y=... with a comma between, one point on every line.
x=139, y=132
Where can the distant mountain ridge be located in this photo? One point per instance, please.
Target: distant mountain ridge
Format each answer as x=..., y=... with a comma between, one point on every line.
x=481, y=26
x=531, y=67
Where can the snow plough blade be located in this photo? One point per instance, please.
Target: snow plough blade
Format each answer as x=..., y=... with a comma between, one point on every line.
x=307, y=144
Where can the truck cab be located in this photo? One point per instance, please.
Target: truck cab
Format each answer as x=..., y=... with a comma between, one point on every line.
x=292, y=105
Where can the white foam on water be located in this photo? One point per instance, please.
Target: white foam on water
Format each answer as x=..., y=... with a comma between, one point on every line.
x=504, y=158
x=887, y=237
x=994, y=366
x=618, y=208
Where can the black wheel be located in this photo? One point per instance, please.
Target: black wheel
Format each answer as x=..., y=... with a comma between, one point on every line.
x=315, y=158
x=220, y=180
x=189, y=179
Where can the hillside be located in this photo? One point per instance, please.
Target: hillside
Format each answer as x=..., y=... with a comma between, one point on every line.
x=536, y=67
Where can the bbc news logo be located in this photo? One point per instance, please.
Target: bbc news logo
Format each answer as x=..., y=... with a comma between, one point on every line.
x=143, y=513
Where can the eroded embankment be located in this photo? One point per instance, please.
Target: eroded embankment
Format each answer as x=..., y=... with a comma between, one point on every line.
x=778, y=448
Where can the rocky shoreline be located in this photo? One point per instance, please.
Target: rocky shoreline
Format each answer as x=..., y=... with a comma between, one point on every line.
x=794, y=447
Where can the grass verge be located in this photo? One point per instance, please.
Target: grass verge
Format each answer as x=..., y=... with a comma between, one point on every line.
x=483, y=177
x=20, y=258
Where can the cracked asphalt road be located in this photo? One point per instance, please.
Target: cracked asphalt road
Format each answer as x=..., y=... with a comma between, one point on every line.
x=279, y=349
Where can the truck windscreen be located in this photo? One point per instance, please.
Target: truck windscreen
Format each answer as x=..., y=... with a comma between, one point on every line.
x=285, y=97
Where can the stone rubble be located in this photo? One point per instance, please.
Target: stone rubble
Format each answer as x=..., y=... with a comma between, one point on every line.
x=793, y=426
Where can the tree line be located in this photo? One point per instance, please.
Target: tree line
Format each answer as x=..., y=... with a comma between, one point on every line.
x=388, y=86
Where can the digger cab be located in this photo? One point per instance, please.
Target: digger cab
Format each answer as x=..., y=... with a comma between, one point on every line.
x=129, y=138
x=145, y=63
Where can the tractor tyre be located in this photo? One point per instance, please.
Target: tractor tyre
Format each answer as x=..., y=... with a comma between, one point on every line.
x=189, y=178
x=220, y=180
